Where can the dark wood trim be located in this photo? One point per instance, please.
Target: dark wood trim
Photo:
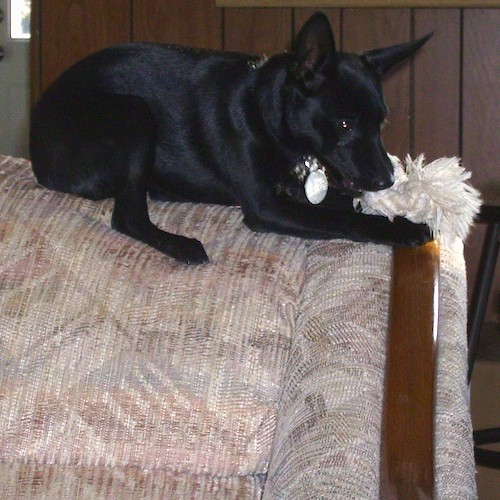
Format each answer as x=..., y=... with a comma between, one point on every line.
x=407, y=451
x=470, y=4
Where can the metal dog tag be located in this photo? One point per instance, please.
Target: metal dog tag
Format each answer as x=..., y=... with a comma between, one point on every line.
x=316, y=186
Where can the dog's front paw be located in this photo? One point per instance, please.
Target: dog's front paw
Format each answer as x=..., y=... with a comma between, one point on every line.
x=410, y=234
x=189, y=251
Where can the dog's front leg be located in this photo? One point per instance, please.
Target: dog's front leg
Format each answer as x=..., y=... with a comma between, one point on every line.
x=130, y=217
x=315, y=222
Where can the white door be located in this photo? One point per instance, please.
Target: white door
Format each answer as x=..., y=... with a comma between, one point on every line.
x=14, y=76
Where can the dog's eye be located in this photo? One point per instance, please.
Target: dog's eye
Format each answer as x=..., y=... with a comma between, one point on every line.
x=345, y=125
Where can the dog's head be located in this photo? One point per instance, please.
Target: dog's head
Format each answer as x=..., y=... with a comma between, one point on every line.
x=335, y=108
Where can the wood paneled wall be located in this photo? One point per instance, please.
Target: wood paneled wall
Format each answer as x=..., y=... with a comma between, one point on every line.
x=445, y=102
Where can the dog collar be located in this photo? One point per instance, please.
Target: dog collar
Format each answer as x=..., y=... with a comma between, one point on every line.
x=313, y=174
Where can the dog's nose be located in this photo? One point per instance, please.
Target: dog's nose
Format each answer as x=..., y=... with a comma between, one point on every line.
x=380, y=184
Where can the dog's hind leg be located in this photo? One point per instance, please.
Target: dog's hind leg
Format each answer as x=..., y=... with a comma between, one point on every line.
x=103, y=146
x=130, y=213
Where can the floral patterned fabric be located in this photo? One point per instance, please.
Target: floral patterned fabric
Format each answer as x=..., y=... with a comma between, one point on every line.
x=126, y=374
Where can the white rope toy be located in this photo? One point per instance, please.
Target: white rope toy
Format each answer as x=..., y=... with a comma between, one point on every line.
x=437, y=194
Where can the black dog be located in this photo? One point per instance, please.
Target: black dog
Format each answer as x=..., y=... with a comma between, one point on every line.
x=291, y=139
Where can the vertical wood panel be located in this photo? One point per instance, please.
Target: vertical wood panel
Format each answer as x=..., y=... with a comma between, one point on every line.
x=481, y=109
x=365, y=29
x=72, y=29
x=35, y=52
x=258, y=31
x=437, y=84
x=196, y=23
x=481, y=95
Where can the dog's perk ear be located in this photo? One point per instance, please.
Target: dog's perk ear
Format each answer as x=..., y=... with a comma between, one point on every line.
x=315, y=45
x=385, y=59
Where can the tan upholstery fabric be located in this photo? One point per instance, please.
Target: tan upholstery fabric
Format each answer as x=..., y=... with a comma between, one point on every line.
x=124, y=374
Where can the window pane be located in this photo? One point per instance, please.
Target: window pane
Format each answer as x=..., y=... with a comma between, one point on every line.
x=20, y=16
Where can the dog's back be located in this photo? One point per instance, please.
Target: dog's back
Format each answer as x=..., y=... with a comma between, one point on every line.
x=194, y=96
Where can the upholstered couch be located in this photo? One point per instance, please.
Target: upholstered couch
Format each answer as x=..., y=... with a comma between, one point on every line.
x=125, y=374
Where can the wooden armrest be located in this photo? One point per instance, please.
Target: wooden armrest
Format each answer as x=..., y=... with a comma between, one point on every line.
x=407, y=454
